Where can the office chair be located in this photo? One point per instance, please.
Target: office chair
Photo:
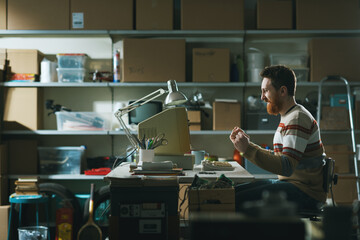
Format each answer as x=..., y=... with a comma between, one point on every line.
x=329, y=179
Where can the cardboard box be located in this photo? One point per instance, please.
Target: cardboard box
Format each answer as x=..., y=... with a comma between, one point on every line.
x=4, y=221
x=345, y=189
x=194, y=116
x=107, y=15
x=154, y=14
x=195, y=126
x=3, y=16
x=23, y=157
x=334, y=118
x=211, y=65
x=274, y=14
x=3, y=159
x=38, y=15
x=25, y=60
x=212, y=200
x=212, y=15
x=226, y=115
x=341, y=154
x=153, y=60
x=23, y=109
x=327, y=14
x=331, y=56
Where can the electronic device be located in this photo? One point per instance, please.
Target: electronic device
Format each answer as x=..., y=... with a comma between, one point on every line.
x=145, y=111
x=173, y=122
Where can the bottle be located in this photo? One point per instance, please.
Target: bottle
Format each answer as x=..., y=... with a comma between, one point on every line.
x=240, y=67
x=234, y=72
x=116, y=66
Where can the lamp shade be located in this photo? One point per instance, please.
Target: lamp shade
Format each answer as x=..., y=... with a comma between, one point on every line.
x=174, y=97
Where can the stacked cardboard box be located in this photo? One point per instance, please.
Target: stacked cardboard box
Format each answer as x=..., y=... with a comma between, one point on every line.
x=226, y=114
x=212, y=200
x=4, y=221
x=154, y=14
x=211, y=65
x=341, y=154
x=345, y=190
x=194, y=118
x=274, y=14
x=334, y=118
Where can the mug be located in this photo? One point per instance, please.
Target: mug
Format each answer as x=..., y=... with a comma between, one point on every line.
x=199, y=156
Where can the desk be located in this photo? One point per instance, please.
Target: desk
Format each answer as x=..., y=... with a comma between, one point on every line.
x=238, y=175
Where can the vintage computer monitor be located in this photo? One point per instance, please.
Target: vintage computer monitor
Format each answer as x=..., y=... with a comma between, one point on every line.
x=173, y=122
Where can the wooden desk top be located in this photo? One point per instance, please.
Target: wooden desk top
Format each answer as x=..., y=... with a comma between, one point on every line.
x=238, y=175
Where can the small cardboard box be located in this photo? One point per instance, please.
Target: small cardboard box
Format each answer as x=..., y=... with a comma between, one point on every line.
x=154, y=14
x=107, y=15
x=4, y=221
x=212, y=15
x=3, y=159
x=194, y=116
x=3, y=16
x=38, y=15
x=153, y=60
x=274, y=14
x=334, y=118
x=226, y=114
x=327, y=14
x=212, y=200
x=23, y=109
x=23, y=157
x=345, y=189
x=25, y=60
x=211, y=65
x=341, y=154
x=325, y=62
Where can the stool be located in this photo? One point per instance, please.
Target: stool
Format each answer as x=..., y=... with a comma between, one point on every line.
x=28, y=199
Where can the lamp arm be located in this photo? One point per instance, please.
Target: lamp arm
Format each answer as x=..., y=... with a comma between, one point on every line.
x=122, y=111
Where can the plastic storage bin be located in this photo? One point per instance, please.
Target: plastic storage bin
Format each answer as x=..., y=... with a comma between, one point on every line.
x=83, y=121
x=302, y=74
x=61, y=160
x=71, y=60
x=71, y=74
x=290, y=60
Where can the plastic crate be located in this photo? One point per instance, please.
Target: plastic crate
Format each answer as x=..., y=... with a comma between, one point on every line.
x=61, y=160
x=290, y=60
x=83, y=121
x=71, y=74
x=71, y=60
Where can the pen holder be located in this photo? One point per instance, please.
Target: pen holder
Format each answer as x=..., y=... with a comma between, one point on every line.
x=146, y=155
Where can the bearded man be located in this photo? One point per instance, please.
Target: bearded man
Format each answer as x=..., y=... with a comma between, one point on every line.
x=298, y=153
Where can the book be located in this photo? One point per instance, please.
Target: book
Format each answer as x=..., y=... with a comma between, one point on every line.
x=174, y=171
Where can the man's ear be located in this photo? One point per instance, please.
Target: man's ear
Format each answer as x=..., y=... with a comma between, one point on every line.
x=283, y=90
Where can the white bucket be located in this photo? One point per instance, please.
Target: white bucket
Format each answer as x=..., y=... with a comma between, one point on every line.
x=253, y=75
x=255, y=60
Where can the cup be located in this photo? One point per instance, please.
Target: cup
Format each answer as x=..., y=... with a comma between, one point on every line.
x=146, y=155
x=199, y=156
x=33, y=233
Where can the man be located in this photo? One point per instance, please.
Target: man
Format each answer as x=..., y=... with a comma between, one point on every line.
x=297, y=157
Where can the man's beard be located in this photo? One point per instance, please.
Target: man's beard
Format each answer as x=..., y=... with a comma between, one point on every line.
x=273, y=107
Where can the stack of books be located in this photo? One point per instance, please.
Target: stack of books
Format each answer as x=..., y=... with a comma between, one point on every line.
x=27, y=186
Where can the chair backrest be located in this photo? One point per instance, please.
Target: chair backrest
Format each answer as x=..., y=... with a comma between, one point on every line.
x=328, y=173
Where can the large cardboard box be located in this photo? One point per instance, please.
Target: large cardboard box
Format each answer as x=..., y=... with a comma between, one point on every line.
x=327, y=14
x=104, y=15
x=25, y=60
x=226, y=114
x=212, y=200
x=23, y=109
x=4, y=221
x=153, y=60
x=334, y=56
x=154, y=14
x=3, y=159
x=38, y=14
x=274, y=14
x=212, y=14
x=341, y=154
x=3, y=16
x=345, y=189
x=23, y=157
x=334, y=118
x=211, y=65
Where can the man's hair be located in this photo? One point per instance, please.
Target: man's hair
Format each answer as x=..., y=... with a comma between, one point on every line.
x=280, y=76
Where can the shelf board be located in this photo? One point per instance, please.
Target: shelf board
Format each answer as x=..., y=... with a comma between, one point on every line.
x=177, y=33
x=60, y=176
x=53, y=33
x=52, y=132
x=53, y=84
x=300, y=33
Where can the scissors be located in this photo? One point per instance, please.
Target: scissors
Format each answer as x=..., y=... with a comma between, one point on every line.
x=159, y=140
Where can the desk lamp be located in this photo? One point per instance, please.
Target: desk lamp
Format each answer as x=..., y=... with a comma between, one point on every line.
x=174, y=97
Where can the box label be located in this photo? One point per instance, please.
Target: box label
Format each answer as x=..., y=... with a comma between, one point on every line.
x=78, y=20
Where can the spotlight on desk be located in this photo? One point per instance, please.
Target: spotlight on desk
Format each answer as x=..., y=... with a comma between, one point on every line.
x=174, y=97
